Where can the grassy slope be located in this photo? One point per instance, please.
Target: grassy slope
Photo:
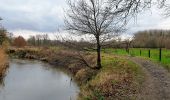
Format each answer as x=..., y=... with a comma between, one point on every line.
x=118, y=79
x=154, y=54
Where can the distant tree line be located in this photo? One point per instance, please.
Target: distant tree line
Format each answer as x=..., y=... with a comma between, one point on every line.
x=142, y=39
x=39, y=40
x=152, y=39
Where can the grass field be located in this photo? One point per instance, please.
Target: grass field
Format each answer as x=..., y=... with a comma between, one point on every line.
x=154, y=54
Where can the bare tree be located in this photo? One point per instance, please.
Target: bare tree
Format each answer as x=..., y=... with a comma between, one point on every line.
x=38, y=38
x=32, y=40
x=94, y=17
x=127, y=43
x=45, y=38
x=103, y=18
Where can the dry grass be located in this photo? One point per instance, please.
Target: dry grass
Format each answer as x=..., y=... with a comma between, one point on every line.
x=3, y=62
x=119, y=79
x=84, y=75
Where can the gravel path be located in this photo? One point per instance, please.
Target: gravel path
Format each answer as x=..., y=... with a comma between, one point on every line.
x=157, y=81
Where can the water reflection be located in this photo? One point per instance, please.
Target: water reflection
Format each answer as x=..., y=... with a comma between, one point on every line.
x=2, y=77
x=2, y=82
x=32, y=80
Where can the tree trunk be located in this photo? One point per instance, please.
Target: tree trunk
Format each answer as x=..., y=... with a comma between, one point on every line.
x=98, y=54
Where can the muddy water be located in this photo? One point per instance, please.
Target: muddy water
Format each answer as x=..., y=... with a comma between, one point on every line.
x=33, y=80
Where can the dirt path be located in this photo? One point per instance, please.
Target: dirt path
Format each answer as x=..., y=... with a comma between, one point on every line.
x=157, y=81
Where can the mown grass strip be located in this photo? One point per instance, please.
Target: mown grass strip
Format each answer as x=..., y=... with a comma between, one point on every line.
x=154, y=54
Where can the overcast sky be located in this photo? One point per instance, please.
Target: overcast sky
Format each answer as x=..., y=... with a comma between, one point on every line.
x=29, y=17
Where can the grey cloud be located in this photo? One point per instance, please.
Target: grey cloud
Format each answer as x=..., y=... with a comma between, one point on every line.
x=35, y=15
x=46, y=16
x=149, y=19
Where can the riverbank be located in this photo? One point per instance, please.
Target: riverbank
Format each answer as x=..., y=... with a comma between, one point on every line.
x=3, y=63
x=119, y=78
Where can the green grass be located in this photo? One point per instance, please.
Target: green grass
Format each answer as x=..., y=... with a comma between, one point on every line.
x=154, y=54
x=119, y=78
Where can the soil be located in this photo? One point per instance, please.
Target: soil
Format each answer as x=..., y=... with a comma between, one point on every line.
x=156, y=85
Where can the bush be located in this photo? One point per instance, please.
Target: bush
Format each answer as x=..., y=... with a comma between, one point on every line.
x=5, y=44
x=19, y=42
x=84, y=75
x=2, y=35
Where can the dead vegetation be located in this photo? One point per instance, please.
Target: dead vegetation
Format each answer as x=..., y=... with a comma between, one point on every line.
x=3, y=63
x=119, y=78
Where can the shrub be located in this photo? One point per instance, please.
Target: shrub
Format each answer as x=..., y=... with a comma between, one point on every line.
x=84, y=75
x=19, y=42
x=5, y=44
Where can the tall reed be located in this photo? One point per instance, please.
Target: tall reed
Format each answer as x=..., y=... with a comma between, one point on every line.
x=3, y=63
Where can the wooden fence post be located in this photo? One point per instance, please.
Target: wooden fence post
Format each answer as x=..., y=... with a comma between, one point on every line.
x=128, y=51
x=160, y=54
x=149, y=53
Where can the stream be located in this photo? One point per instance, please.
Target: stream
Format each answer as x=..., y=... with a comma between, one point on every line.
x=34, y=80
